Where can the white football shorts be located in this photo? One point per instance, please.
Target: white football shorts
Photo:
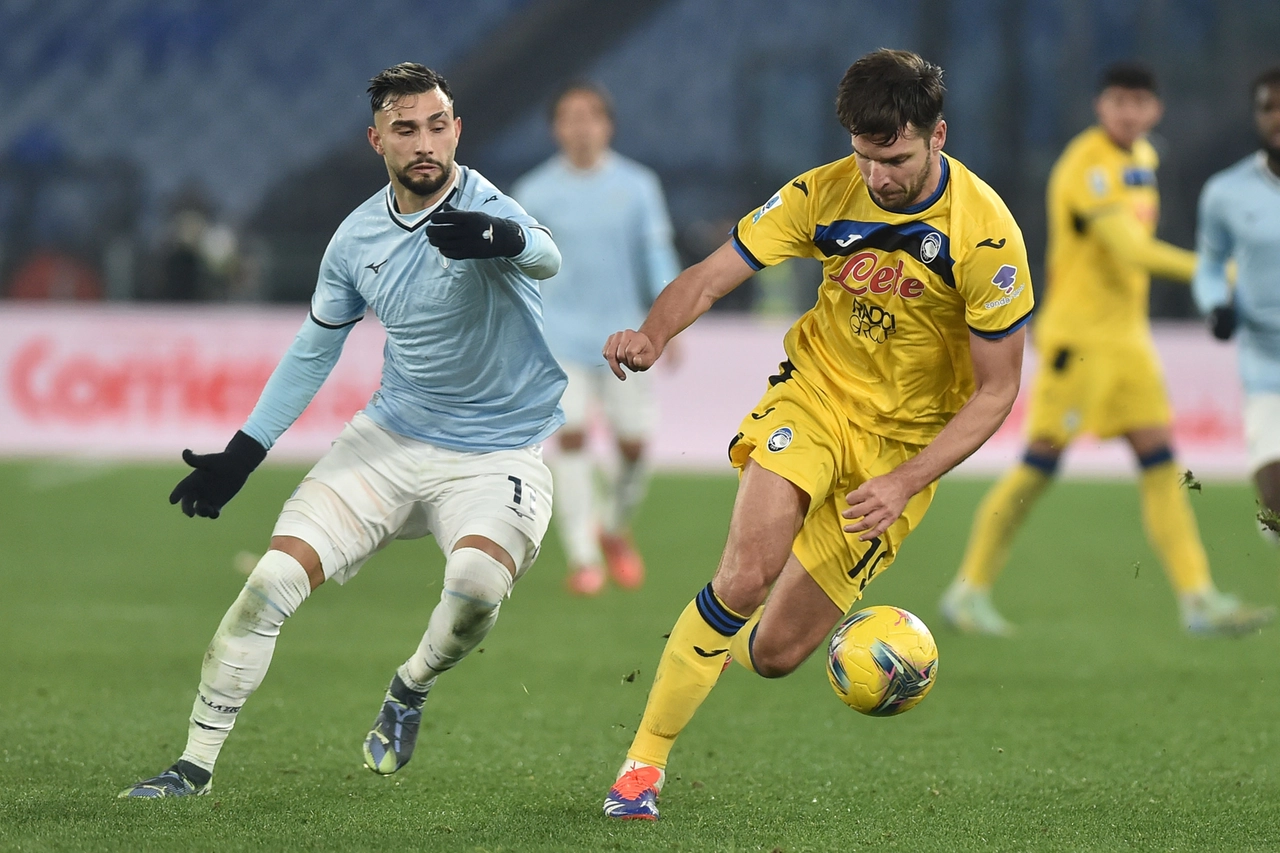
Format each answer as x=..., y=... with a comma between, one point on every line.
x=628, y=407
x=374, y=486
x=1262, y=429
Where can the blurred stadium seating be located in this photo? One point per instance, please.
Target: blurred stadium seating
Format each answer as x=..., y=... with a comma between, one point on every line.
x=111, y=110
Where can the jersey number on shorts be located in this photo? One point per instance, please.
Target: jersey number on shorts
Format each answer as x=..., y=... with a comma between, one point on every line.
x=870, y=561
x=517, y=496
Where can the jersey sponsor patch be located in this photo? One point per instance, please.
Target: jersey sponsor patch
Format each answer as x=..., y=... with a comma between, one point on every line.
x=1136, y=176
x=1005, y=278
x=779, y=440
x=872, y=321
x=768, y=206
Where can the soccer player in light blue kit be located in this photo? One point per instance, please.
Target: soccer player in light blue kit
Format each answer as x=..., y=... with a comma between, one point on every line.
x=611, y=224
x=1240, y=221
x=448, y=445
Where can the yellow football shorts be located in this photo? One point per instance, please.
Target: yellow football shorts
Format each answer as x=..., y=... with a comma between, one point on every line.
x=797, y=433
x=1105, y=389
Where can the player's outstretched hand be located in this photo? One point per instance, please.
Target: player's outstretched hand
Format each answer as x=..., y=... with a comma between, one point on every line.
x=632, y=348
x=876, y=504
x=218, y=476
x=1222, y=322
x=463, y=234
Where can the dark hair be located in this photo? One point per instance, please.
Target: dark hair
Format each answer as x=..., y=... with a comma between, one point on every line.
x=1270, y=77
x=588, y=86
x=1128, y=75
x=406, y=78
x=885, y=92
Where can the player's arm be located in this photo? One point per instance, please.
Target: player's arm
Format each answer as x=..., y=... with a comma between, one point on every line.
x=662, y=265
x=335, y=308
x=997, y=373
x=1211, y=286
x=681, y=302
x=1119, y=230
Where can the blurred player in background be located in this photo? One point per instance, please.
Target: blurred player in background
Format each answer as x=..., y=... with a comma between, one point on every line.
x=611, y=225
x=1240, y=221
x=910, y=360
x=1099, y=370
x=448, y=445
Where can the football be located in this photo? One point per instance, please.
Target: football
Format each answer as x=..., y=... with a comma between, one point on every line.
x=882, y=661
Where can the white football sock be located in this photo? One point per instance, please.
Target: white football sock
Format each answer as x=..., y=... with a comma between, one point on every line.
x=575, y=508
x=474, y=586
x=628, y=490
x=241, y=651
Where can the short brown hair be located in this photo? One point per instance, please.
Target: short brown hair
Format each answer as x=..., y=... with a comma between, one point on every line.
x=406, y=78
x=885, y=92
x=1129, y=75
x=591, y=87
x=1268, y=78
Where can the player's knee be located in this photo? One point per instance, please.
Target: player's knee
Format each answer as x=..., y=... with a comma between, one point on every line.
x=277, y=583
x=474, y=586
x=773, y=659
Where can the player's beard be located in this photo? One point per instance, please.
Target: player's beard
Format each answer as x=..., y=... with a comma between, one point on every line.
x=425, y=186
x=903, y=200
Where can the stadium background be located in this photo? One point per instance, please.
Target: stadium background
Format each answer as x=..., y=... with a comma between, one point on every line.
x=169, y=175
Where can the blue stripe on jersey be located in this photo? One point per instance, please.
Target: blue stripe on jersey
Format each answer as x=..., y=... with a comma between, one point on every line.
x=923, y=242
x=1136, y=176
x=1005, y=332
x=743, y=251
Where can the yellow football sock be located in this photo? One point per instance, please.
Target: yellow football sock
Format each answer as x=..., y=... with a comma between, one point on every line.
x=1171, y=528
x=740, y=645
x=997, y=521
x=690, y=666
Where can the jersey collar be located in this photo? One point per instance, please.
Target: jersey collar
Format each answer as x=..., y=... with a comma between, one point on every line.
x=928, y=202
x=414, y=221
x=1260, y=161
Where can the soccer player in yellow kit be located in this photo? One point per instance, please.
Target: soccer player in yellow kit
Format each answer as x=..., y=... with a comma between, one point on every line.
x=1099, y=372
x=910, y=359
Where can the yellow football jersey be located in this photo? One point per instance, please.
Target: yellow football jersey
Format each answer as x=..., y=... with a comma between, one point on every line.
x=888, y=340
x=1091, y=293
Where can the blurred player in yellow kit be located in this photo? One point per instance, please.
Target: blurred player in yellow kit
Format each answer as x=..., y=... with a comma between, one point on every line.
x=1098, y=368
x=910, y=359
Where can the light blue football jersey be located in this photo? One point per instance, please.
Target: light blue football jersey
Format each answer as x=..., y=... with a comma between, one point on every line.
x=466, y=365
x=1240, y=219
x=615, y=238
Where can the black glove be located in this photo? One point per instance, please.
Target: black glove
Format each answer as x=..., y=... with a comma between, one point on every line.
x=461, y=234
x=218, y=476
x=1222, y=321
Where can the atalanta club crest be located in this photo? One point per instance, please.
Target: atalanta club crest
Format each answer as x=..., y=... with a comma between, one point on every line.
x=930, y=246
x=780, y=439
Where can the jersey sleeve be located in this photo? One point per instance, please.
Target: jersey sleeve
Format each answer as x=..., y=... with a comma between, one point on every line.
x=336, y=302
x=1214, y=247
x=994, y=279
x=661, y=262
x=781, y=228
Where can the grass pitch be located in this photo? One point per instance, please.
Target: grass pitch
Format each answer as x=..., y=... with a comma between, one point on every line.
x=1101, y=727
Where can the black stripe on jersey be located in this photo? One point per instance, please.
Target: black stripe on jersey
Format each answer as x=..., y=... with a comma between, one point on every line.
x=395, y=217
x=744, y=251
x=322, y=324
x=907, y=237
x=1003, y=333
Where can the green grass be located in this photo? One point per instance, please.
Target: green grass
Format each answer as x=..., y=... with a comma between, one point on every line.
x=1101, y=727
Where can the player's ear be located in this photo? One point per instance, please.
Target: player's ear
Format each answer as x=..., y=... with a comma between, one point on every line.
x=939, y=137
x=375, y=140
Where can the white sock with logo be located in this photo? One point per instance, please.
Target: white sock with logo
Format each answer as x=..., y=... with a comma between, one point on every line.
x=240, y=652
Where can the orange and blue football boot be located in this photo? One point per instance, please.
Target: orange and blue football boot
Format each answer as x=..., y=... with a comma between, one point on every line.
x=634, y=796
